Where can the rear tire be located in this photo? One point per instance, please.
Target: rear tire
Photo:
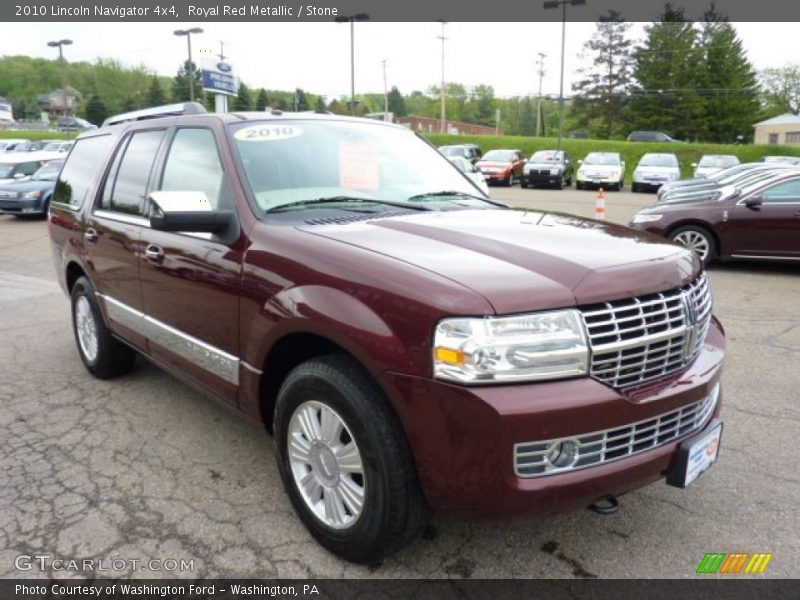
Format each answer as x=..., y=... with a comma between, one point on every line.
x=104, y=356
x=392, y=511
x=523, y=183
x=698, y=239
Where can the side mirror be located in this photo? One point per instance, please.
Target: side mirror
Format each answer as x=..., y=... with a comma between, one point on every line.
x=694, y=165
x=755, y=202
x=19, y=176
x=580, y=161
x=187, y=211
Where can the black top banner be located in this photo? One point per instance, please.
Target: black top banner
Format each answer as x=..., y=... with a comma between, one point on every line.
x=383, y=10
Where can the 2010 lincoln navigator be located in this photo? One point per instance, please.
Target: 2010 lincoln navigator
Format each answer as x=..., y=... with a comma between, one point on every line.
x=412, y=344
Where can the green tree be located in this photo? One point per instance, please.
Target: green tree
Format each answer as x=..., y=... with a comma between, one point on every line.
x=262, y=100
x=300, y=100
x=481, y=105
x=397, y=104
x=243, y=101
x=781, y=90
x=96, y=111
x=730, y=89
x=156, y=95
x=601, y=95
x=665, y=69
x=180, y=83
x=319, y=104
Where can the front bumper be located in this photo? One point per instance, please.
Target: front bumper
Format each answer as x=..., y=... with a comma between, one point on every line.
x=649, y=184
x=496, y=177
x=463, y=438
x=21, y=206
x=543, y=179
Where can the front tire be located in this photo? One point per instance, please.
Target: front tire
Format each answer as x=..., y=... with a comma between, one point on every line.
x=345, y=462
x=698, y=239
x=523, y=183
x=104, y=356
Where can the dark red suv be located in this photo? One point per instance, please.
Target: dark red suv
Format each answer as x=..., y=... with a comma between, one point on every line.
x=412, y=344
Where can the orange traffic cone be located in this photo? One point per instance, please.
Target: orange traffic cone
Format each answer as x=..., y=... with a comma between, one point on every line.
x=600, y=206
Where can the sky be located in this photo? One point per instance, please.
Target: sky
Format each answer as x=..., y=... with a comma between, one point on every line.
x=316, y=56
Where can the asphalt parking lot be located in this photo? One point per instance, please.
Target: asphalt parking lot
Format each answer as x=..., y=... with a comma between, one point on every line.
x=143, y=467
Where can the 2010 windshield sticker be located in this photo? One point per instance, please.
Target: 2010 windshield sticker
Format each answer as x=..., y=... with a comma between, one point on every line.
x=267, y=133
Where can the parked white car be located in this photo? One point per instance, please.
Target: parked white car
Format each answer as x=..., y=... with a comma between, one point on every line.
x=654, y=170
x=711, y=163
x=21, y=166
x=601, y=169
x=7, y=145
x=471, y=171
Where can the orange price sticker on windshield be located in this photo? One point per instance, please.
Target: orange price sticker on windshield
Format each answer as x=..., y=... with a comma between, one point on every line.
x=359, y=167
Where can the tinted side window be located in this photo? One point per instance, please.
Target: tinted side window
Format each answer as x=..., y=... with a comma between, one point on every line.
x=193, y=165
x=76, y=176
x=788, y=191
x=130, y=184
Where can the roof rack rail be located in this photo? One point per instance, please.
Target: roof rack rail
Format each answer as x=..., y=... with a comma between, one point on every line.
x=168, y=110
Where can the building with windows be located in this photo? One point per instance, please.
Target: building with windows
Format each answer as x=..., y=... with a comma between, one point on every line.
x=780, y=130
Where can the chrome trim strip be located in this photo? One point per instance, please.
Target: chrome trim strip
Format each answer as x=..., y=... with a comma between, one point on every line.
x=199, y=353
x=594, y=447
x=121, y=217
x=765, y=257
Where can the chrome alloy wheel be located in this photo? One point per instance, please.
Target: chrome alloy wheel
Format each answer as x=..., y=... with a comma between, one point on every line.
x=326, y=464
x=695, y=241
x=86, y=326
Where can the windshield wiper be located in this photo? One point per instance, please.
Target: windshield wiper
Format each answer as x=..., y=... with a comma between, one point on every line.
x=452, y=193
x=344, y=199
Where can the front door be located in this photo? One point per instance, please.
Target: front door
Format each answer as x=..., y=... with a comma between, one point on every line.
x=190, y=282
x=771, y=228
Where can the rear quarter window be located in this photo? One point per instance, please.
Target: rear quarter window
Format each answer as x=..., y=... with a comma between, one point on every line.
x=83, y=162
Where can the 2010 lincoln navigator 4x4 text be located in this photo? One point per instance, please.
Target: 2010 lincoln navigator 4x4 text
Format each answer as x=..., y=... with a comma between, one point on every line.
x=413, y=345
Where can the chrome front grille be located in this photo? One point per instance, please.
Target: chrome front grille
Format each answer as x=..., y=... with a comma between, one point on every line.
x=640, y=339
x=531, y=459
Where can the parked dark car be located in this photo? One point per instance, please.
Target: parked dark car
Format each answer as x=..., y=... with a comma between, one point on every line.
x=502, y=166
x=412, y=346
x=74, y=124
x=759, y=219
x=31, y=197
x=548, y=167
x=650, y=136
x=469, y=151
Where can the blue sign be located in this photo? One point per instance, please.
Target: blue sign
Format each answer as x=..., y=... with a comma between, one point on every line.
x=218, y=78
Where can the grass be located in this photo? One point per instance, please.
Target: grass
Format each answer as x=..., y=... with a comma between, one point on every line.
x=35, y=135
x=631, y=151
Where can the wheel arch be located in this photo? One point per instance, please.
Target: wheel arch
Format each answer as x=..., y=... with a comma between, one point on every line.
x=696, y=223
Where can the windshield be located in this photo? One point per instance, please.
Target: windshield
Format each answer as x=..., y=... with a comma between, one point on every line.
x=546, y=156
x=499, y=156
x=292, y=161
x=453, y=151
x=659, y=160
x=718, y=162
x=48, y=171
x=601, y=158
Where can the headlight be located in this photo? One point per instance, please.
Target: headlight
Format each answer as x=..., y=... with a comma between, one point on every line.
x=555, y=171
x=646, y=218
x=31, y=195
x=549, y=345
x=637, y=175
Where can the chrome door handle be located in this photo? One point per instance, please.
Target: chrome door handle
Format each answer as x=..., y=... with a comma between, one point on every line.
x=90, y=235
x=154, y=253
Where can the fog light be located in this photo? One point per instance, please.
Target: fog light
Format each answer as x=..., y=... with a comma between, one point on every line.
x=563, y=454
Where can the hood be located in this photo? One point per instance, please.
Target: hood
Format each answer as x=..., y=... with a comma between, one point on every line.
x=525, y=260
x=656, y=170
x=492, y=164
x=600, y=168
x=544, y=165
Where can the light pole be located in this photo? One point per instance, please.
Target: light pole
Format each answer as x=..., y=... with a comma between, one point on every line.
x=188, y=33
x=442, y=91
x=540, y=62
x=352, y=19
x=563, y=4
x=60, y=45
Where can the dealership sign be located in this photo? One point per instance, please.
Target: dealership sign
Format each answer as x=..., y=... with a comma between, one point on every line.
x=218, y=77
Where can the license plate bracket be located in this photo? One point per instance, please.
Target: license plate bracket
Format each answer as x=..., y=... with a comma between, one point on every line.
x=696, y=455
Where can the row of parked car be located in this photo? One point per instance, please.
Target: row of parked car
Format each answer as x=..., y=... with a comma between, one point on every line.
x=17, y=146
x=598, y=169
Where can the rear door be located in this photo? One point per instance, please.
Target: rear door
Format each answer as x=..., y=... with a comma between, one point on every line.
x=113, y=233
x=190, y=281
x=771, y=229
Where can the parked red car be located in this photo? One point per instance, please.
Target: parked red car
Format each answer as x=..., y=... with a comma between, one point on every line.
x=502, y=166
x=760, y=220
x=412, y=346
